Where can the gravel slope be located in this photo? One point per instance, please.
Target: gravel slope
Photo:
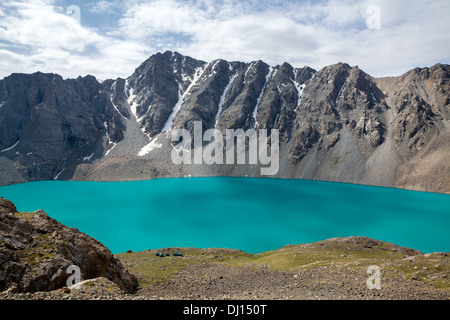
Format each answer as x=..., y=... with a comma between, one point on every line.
x=334, y=269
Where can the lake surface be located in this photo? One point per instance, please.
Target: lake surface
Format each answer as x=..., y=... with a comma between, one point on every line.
x=251, y=214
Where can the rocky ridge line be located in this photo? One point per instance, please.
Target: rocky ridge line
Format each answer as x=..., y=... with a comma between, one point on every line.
x=336, y=124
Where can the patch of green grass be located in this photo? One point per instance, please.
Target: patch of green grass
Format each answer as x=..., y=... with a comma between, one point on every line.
x=35, y=254
x=150, y=269
x=26, y=215
x=292, y=258
x=435, y=272
x=90, y=283
x=336, y=160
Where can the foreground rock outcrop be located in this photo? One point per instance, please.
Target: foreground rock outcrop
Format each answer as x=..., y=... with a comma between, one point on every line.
x=36, y=251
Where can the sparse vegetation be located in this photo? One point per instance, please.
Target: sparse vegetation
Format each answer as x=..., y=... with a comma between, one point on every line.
x=297, y=258
x=336, y=160
x=42, y=248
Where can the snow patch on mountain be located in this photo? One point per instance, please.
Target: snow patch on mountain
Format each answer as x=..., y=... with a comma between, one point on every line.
x=150, y=147
x=340, y=91
x=222, y=98
x=12, y=147
x=181, y=96
x=131, y=99
x=258, y=101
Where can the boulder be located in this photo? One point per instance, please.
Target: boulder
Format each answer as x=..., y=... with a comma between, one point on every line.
x=36, y=252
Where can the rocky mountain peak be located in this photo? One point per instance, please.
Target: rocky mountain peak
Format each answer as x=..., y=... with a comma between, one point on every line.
x=321, y=115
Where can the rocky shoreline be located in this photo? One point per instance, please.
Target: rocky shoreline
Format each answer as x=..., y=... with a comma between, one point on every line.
x=35, y=251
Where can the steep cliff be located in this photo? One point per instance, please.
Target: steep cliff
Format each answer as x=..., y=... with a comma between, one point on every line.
x=336, y=124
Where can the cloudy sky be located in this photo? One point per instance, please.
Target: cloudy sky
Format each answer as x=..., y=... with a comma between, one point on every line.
x=109, y=39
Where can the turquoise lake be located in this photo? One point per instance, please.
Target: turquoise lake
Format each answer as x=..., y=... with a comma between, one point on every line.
x=251, y=214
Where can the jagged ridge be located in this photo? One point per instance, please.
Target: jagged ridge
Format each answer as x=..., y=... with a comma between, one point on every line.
x=337, y=124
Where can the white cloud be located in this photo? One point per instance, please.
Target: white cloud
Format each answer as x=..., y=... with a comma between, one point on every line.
x=37, y=35
x=105, y=6
x=316, y=34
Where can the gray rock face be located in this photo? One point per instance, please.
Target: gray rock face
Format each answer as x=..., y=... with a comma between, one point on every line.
x=421, y=103
x=340, y=98
x=155, y=88
x=46, y=122
x=36, y=251
x=337, y=124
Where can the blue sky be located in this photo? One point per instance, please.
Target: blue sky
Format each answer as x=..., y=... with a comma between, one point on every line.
x=113, y=37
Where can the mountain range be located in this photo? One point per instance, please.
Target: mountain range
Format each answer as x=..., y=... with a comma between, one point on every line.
x=336, y=124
